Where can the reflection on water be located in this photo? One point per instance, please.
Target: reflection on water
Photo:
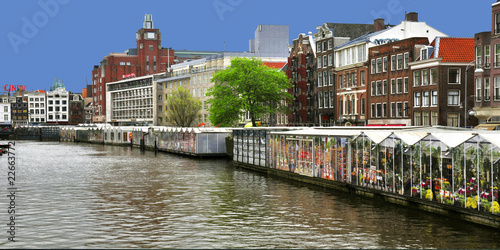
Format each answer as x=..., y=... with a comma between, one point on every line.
x=94, y=196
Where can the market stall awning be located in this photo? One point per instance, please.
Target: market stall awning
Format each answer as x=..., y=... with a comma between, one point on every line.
x=410, y=137
x=452, y=139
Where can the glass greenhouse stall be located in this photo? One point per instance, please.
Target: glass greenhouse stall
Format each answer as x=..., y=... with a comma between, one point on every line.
x=452, y=167
x=251, y=144
x=196, y=141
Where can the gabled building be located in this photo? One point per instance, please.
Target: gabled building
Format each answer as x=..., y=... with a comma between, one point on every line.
x=351, y=64
x=37, y=106
x=302, y=74
x=443, y=86
x=329, y=36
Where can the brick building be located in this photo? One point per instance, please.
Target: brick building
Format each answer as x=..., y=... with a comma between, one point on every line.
x=147, y=58
x=329, y=36
x=351, y=64
x=389, y=90
x=302, y=72
x=439, y=79
x=487, y=80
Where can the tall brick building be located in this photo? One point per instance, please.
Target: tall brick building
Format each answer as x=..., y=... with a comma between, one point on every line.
x=147, y=58
x=439, y=79
x=389, y=90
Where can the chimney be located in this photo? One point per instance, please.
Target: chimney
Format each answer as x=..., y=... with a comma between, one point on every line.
x=411, y=17
x=378, y=24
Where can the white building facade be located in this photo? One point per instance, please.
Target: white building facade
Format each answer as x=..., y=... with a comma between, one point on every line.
x=37, y=107
x=131, y=101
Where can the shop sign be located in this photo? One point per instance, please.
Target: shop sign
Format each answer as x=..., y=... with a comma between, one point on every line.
x=9, y=87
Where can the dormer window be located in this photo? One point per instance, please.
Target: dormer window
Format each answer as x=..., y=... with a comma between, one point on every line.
x=424, y=55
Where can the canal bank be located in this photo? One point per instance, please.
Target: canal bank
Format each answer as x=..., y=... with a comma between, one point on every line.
x=440, y=170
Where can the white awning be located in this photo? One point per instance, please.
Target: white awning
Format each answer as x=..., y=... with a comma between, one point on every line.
x=377, y=136
x=452, y=139
x=410, y=137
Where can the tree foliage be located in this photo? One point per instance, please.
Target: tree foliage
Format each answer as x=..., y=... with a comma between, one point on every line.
x=182, y=108
x=247, y=86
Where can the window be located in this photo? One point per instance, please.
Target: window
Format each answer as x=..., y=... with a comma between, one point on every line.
x=400, y=61
x=399, y=109
x=340, y=81
x=416, y=78
x=406, y=108
x=363, y=106
x=424, y=54
x=393, y=86
x=330, y=44
x=393, y=109
x=362, y=78
x=320, y=99
x=373, y=66
x=379, y=87
x=453, y=97
x=425, y=77
x=454, y=76
x=497, y=23
x=384, y=87
x=348, y=79
x=478, y=56
x=434, y=118
x=406, y=84
x=330, y=60
x=373, y=110
x=5, y=109
x=497, y=89
x=497, y=55
x=353, y=79
x=331, y=99
x=325, y=79
x=379, y=65
x=487, y=89
x=325, y=96
x=320, y=79
x=372, y=88
x=434, y=98
x=384, y=109
x=478, y=89
x=434, y=77
x=324, y=46
x=330, y=78
x=425, y=98
x=407, y=60
x=341, y=107
x=393, y=63
x=319, y=61
x=379, y=110
x=487, y=56
x=324, y=62
x=384, y=65
x=399, y=86
x=453, y=120
x=425, y=118
x=417, y=121
x=416, y=99
x=319, y=47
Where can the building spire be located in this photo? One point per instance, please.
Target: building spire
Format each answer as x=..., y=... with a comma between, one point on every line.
x=148, y=21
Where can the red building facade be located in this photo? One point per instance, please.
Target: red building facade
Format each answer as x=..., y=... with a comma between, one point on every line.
x=148, y=58
x=389, y=89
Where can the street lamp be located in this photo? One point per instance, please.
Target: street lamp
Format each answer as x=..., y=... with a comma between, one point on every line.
x=478, y=70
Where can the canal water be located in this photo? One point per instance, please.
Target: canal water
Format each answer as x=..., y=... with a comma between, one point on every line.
x=94, y=196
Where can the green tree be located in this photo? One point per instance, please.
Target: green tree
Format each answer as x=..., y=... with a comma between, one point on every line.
x=182, y=107
x=247, y=85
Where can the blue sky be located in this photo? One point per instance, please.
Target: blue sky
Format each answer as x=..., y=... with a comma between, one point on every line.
x=46, y=39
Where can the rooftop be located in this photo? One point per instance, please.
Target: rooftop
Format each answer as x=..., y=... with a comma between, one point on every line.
x=453, y=49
